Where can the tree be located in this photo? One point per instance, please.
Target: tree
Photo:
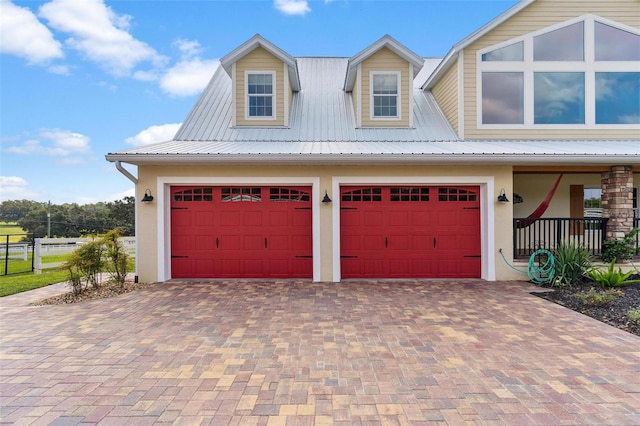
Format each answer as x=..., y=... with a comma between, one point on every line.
x=73, y=220
x=14, y=210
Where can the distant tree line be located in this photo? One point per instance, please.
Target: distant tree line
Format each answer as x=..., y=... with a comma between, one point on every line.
x=71, y=220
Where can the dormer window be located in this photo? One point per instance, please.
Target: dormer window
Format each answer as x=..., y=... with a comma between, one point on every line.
x=260, y=95
x=385, y=92
x=581, y=73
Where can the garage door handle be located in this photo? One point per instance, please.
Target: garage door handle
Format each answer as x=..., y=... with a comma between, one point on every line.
x=386, y=242
x=217, y=242
x=265, y=242
x=434, y=242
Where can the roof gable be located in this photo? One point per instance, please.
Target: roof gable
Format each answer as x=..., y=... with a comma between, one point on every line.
x=385, y=42
x=453, y=54
x=258, y=41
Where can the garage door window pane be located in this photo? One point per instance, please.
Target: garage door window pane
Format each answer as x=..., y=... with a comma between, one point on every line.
x=364, y=195
x=287, y=194
x=456, y=194
x=236, y=195
x=194, y=194
x=408, y=194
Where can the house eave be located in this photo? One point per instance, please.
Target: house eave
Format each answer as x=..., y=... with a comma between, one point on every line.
x=455, y=51
x=507, y=159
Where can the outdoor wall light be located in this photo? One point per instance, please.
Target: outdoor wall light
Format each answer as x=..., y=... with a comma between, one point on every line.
x=502, y=198
x=326, y=198
x=147, y=196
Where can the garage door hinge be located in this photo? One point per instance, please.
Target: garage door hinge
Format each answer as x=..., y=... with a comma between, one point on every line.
x=348, y=257
x=304, y=257
x=471, y=208
x=179, y=257
x=348, y=208
x=302, y=208
x=473, y=255
x=179, y=208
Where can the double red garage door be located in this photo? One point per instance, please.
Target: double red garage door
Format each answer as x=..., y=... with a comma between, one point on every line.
x=266, y=232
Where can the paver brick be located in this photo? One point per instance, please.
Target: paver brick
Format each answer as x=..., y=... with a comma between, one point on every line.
x=302, y=353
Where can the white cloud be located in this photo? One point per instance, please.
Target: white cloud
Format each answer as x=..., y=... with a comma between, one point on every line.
x=100, y=34
x=14, y=188
x=54, y=143
x=188, y=77
x=21, y=34
x=292, y=7
x=153, y=134
x=120, y=195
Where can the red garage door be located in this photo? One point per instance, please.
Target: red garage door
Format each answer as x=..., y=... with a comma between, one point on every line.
x=410, y=232
x=241, y=232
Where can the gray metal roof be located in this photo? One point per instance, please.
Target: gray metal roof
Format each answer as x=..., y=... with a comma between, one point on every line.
x=320, y=111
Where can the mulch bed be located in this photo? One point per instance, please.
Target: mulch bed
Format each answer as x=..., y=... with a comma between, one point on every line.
x=106, y=289
x=615, y=313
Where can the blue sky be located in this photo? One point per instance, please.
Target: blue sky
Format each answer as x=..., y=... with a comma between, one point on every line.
x=81, y=78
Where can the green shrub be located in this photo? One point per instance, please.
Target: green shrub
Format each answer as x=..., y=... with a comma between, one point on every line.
x=595, y=297
x=611, y=277
x=572, y=264
x=634, y=315
x=85, y=264
x=623, y=249
x=116, y=256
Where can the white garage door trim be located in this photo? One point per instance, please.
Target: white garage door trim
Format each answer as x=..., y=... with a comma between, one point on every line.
x=163, y=186
x=487, y=232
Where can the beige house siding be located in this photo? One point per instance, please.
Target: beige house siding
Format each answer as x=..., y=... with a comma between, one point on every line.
x=446, y=94
x=259, y=60
x=385, y=60
x=539, y=15
x=151, y=230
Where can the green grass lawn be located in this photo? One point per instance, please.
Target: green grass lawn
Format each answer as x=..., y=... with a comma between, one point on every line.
x=17, y=283
x=11, y=228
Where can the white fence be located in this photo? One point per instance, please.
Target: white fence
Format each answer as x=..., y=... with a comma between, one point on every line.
x=55, y=246
x=15, y=251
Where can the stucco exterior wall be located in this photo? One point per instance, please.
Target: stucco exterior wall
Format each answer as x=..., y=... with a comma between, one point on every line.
x=329, y=178
x=539, y=15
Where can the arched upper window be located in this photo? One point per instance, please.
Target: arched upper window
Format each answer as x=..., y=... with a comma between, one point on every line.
x=581, y=73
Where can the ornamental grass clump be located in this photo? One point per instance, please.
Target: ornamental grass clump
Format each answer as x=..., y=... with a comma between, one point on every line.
x=572, y=264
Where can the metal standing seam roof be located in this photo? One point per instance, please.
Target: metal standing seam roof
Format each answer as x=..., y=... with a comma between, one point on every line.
x=321, y=111
x=322, y=130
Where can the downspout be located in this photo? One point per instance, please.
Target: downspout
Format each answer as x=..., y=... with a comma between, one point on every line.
x=133, y=179
x=126, y=172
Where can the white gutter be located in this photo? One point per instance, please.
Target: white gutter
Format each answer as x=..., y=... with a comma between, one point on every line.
x=126, y=172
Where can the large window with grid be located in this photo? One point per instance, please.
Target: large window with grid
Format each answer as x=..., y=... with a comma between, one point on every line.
x=581, y=73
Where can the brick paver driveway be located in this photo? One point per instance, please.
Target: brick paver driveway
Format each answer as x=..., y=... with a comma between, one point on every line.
x=295, y=353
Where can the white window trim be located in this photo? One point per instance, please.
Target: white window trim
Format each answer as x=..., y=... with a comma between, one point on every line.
x=273, y=96
x=398, y=75
x=528, y=67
